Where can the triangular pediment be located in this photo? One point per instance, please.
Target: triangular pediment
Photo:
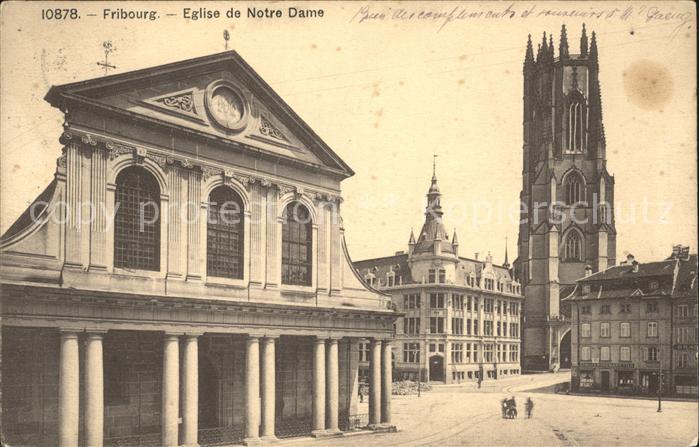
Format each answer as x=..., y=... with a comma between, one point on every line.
x=218, y=97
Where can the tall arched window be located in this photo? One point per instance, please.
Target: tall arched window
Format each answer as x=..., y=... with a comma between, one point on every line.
x=573, y=246
x=137, y=220
x=574, y=188
x=297, y=241
x=224, y=234
x=576, y=122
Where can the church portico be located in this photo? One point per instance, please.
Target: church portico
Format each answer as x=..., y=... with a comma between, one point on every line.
x=167, y=382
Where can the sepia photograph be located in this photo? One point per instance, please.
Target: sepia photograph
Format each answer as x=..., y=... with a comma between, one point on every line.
x=343, y=223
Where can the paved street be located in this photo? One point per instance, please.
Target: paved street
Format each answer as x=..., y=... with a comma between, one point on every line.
x=463, y=415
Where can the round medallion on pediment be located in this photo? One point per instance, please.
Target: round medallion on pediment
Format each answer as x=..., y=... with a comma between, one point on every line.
x=226, y=106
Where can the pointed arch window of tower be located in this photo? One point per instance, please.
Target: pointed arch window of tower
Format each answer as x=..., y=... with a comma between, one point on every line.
x=574, y=188
x=576, y=123
x=573, y=246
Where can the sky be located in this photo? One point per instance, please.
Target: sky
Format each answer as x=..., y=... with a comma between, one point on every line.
x=387, y=94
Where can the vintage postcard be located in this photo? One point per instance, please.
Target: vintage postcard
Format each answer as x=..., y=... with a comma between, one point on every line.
x=348, y=223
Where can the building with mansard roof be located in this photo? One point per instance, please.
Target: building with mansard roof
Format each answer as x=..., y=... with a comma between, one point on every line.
x=634, y=327
x=461, y=316
x=567, y=196
x=184, y=279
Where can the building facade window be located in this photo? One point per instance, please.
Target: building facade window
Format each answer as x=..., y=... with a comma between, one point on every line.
x=625, y=308
x=437, y=301
x=436, y=325
x=411, y=301
x=682, y=311
x=625, y=354
x=652, y=329
x=682, y=360
x=585, y=353
x=625, y=330
x=224, y=234
x=604, y=354
x=411, y=352
x=651, y=354
x=585, y=330
x=652, y=307
x=585, y=310
x=573, y=246
x=457, y=353
x=575, y=122
x=605, y=309
x=487, y=327
x=137, y=220
x=457, y=302
x=487, y=352
x=457, y=326
x=412, y=326
x=297, y=245
x=604, y=330
x=574, y=189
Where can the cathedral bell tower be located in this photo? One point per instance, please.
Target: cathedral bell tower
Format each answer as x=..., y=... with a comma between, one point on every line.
x=567, y=197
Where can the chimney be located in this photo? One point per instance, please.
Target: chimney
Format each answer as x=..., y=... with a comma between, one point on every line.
x=630, y=259
x=476, y=256
x=588, y=270
x=634, y=267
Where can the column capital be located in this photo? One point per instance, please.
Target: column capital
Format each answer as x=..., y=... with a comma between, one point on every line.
x=319, y=339
x=69, y=332
x=271, y=337
x=172, y=333
x=334, y=339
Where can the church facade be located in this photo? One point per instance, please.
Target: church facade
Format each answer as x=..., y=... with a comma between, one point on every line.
x=567, y=196
x=184, y=279
x=461, y=316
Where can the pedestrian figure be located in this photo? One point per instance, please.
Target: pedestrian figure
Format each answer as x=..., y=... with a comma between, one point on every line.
x=529, y=406
x=479, y=382
x=503, y=407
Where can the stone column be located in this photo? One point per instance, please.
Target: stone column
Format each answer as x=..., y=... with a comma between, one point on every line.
x=252, y=391
x=318, y=386
x=375, y=383
x=268, y=388
x=190, y=391
x=332, y=387
x=94, y=390
x=386, y=389
x=169, y=412
x=68, y=390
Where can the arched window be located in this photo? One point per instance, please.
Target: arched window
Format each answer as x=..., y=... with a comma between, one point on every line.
x=224, y=234
x=574, y=188
x=576, y=122
x=297, y=241
x=573, y=246
x=137, y=220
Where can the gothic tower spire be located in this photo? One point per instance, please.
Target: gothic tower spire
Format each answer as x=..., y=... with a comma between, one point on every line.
x=563, y=44
x=583, y=42
x=529, y=55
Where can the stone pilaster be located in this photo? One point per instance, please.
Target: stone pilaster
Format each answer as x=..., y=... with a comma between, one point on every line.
x=272, y=275
x=258, y=233
x=98, y=199
x=174, y=237
x=73, y=204
x=194, y=225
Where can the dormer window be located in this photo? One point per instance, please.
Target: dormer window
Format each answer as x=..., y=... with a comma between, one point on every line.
x=654, y=285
